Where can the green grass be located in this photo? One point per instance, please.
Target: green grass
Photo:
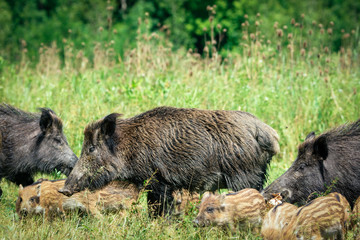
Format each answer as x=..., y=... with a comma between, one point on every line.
x=293, y=95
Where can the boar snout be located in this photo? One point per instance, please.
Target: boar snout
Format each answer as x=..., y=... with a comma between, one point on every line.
x=66, y=192
x=196, y=222
x=268, y=194
x=23, y=213
x=67, y=165
x=286, y=193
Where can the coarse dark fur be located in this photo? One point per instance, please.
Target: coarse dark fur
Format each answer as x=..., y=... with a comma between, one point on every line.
x=177, y=148
x=30, y=143
x=330, y=159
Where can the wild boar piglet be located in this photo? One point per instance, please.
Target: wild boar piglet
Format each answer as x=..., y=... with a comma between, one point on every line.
x=44, y=198
x=355, y=217
x=276, y=220
x=322, y=218
x=244, y=209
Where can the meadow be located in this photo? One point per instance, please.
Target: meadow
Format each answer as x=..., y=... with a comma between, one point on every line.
x=291, y=81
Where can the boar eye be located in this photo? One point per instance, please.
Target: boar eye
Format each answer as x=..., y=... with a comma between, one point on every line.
x=57, y=140
x=91, y=149
x=210, y=209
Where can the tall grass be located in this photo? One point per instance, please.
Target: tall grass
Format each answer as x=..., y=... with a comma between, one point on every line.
x=294, y=87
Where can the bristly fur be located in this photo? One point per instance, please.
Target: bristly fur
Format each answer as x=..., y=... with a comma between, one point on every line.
x=179, y=149
x=329, y=160
x=32, y=142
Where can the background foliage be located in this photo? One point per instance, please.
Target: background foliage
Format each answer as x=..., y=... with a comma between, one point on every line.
x=28, y=24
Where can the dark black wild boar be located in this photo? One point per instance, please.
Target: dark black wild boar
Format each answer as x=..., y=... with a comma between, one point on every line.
x=32, y=142
x=332, y=157
x=179, y=148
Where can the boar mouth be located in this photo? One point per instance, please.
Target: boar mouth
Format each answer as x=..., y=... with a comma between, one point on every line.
x=66, y=192
x=284, y=193
x=200, y=223
x=76, y=184
x=74, y=188
x=23, y=213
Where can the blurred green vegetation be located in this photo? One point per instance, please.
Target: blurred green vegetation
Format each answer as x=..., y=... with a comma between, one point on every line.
x=26, y=25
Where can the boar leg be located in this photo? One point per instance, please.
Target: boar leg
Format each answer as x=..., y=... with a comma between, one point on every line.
x=24, y=179
x=160, y=200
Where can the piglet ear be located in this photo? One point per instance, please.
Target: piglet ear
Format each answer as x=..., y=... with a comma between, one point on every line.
x=38, y=190
x=108, y=124
x=222, y=202
x=178, y=198
x=206, y=195
x=21, y=187
x=46, y=119
x=321, y=147
x=222, y=197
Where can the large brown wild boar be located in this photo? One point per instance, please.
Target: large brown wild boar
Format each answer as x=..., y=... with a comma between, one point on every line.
x=276, y=220
x=43, y=197
x=178, y=148
x=30, y=143
x=240, y=209
x=322, y=218
x=333, y=156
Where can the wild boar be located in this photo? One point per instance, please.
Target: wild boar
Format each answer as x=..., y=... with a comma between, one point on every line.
x=330, y=159
x=240, y=209
x=43, y=197
x=184, y=201
x=276, y=220
x=31, y=142
x=176, y=148
x=322, y=218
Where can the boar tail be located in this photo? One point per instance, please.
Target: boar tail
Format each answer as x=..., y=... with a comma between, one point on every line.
x=268, y=140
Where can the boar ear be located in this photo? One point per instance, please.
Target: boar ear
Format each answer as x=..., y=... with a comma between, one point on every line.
x=46, y=119
x=321, y=147
x=108, y=124
x=310, y=135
